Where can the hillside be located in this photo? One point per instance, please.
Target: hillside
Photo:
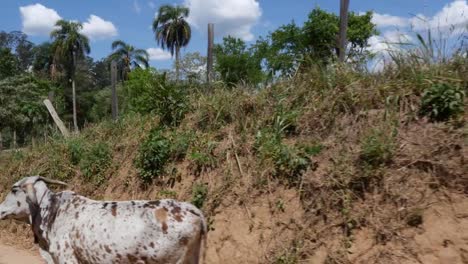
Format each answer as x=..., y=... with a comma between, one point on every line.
x=335, y=166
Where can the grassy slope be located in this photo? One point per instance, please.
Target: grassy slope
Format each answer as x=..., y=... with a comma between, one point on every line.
x=379, y=179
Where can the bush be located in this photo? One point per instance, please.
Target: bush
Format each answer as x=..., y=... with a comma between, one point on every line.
x=442, y=101
x=289, y=162
x=199, y=194
x=146, y=91
x=153, y=155
x=202, y=155
x=76, y=150
x=180, y=142
x=95, y=161
x=377, y=149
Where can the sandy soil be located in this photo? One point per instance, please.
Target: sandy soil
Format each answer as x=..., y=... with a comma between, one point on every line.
x=10, y=255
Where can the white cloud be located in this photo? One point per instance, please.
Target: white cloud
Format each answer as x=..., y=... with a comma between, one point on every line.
x=391, y=40
x=452, y=17
x=98, y=28
x=385, y=20
x=38, y=19
x=158, y=54
x=151, y=5
x=383, y=46
x=231, y=17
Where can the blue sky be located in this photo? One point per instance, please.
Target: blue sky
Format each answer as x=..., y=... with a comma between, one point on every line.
x=130, y=20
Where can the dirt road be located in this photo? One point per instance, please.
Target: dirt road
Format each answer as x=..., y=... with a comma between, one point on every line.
x=10, y=255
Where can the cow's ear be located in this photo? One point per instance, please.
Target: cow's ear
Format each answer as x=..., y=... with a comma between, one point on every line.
x=30, y=191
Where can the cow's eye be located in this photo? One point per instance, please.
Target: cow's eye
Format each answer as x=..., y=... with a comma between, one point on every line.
x=14, y=191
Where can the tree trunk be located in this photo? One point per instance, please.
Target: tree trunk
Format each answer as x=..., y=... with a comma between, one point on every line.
x=209, y=63
x=177, y=57
x=14, y=139
x=75, y=119
x=344, y=6
x=115, y=104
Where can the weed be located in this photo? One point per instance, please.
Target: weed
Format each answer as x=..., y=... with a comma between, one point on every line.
x=289, y=162
x=168, y=194
x=180, y=142
x=149, y=92
x=95, y=161
x=442, y=101
x=76, y=149
x=280, y=205
x=153, y=155
x=377, y=149
x=202, y=155
x=199, y=194
x=290, y=255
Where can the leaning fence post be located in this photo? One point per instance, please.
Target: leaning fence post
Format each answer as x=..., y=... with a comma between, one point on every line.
x=56, y=118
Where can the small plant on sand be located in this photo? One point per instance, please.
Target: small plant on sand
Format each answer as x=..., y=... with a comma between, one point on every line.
x=199, y=194
x=377, y=149
x=442, y=101
x=289, y=161
x=202, y=155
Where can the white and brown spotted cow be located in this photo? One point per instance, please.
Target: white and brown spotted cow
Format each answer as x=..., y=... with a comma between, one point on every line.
x=70, y=228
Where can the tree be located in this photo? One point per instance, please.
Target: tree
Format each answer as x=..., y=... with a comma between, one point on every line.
x=20, y=46
x=172, y=31
x=290, y=47
x=283, y=50
x=128, y=57
x=21, y=108
x=236, y=63
x=193, y=67
x=68, y=46
x=9, y=65
x=43, y=60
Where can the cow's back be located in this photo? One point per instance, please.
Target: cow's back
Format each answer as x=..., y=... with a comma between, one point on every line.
x=128, y=232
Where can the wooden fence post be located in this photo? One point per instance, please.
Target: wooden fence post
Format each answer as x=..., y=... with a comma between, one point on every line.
x=344, y=6
x=115, y=103
x=56, y=118
x=209, y=61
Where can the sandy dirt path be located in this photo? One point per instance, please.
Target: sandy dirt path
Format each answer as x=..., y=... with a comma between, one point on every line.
x=11, y=255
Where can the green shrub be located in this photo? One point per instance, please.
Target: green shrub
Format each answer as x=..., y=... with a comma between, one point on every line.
x=377, y=149
x=76, y=150
x=95, y=162
x=180, y=142
x=199, y=194
x=284, y=122
x=289, y=161
x=202, y=155
x=146, y=91
x=153, y=155
x=442, y=101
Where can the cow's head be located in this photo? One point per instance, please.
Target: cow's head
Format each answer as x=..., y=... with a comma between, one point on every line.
x=24, y=193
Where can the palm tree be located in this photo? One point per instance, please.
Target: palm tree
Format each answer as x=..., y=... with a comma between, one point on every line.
x=172, y=31
x=68, y=46
x=128, y=57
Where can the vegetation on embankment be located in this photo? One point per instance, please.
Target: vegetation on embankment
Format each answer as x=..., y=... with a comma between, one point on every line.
x=335, y=166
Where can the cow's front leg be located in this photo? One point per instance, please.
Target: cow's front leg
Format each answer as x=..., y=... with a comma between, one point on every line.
x=46, y=256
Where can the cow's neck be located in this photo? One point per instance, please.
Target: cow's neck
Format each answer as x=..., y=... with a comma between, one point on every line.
x=41, y=215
